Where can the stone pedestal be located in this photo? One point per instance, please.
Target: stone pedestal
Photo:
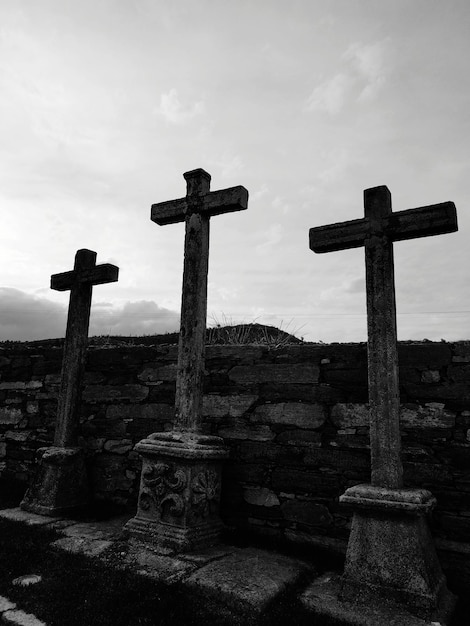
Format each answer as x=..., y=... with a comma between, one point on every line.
x=391, y=554
x=60, y=485
x=179, y=496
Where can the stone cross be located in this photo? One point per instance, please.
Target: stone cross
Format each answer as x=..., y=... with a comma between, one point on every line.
x=195, y=210
x=60, y=484
x=80, y=283
x=376, y=232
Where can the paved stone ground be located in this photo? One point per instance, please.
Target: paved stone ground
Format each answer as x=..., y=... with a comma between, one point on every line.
x=242, y=580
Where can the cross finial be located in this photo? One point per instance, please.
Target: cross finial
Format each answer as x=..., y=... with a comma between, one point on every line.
x=197, y=182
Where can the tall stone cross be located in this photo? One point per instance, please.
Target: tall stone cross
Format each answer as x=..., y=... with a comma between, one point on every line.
x=196, y=209
x=376, y=232
x=180, y=486
x=60, y=484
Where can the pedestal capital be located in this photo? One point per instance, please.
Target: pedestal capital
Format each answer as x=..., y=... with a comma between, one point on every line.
x=411, y=501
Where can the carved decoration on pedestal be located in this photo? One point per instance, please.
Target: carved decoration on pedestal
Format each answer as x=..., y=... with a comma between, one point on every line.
x=206, y=492
x=163, y=484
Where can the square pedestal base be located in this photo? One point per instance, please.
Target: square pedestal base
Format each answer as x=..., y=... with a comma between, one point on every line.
x=178, y=506
x=60, y=485
x=391, y=553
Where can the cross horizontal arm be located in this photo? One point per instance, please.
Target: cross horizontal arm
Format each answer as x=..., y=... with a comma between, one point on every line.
x=338, y=236
x=226, y=200
x=436, y=219
x=215, y=203
x=99, y=275
x=169, y=212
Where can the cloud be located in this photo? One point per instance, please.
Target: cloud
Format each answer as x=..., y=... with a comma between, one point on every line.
x=273, y=237
x=369, y=60
x=174, y=111
x=363, y=77
x=331, y=95
x=27, y=317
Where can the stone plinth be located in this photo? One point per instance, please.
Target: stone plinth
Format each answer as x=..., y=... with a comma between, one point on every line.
x=60, y=485
x=391, y=554
x=179, y=496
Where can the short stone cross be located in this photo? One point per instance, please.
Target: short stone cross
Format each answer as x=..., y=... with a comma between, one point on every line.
x=49, y=493
x=390, y=551
x=376, y=232
x=181, y=474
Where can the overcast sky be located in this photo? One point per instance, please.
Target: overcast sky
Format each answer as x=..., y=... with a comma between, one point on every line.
x=104, y=104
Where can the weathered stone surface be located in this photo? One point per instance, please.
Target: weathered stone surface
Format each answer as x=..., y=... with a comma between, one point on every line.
x=304, y=512
x=298, y=414
x=434, y=355
x=295, y=373
x=249, y=579
x=10, y=415
x=235, y=405
x=347, y=415
x=111, y=393
x=430, y=376
x=432, y=415
x=296, y=437
x=260, y=496
x=301, y=481
x=240, y=429
x=154, y=411
x=155, y=374
x=6, y=604
x=118, y=446
x=337, y=458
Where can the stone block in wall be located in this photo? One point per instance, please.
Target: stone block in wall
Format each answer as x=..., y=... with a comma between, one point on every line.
x=234, y=405
x=268, y=452
x=260, y=496
x=113, y=393
x=10, y=415
x=299, y=414
x=3, y=449
x=154, y=411
x=275, y=373
x=21, y=385
x=429, y=377
x=240, y=429
x=338, y=459
x=349, y=415
x=156, y=374
x=307, y=513
x=312, y=483
x=424, y=355
x=245, y=472
x=431, y=415
x=459, y=373
x=224, y=355
x=420, y=474
x=294, y=437
x=118, y=446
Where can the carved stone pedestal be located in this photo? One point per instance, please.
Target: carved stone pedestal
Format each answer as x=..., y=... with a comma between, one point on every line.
x=179, y=496
x=60, y=485
x=391, y=553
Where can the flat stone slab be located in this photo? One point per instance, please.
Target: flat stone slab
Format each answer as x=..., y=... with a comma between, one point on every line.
x=82, y=545
x=157, y=566
x=321, y=599
x=248, y=579
x=6, y=604
x=20, y=618
x=32, y=519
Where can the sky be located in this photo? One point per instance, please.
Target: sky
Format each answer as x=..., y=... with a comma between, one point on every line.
x=104, y=104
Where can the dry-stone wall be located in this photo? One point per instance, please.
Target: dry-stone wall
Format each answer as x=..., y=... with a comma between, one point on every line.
x=295, y=418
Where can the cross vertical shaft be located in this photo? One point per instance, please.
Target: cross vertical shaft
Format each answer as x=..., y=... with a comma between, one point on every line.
x=385, y=442
x=191, y=348
x=73, y=363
